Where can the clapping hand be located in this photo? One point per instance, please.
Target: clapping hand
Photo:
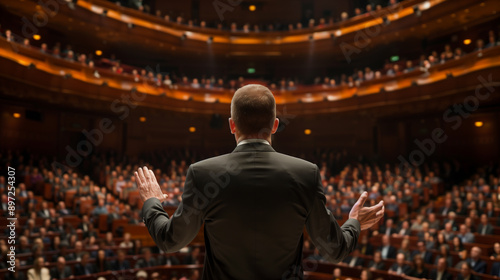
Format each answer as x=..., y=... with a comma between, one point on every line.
x=367, y=216
x=148, y=185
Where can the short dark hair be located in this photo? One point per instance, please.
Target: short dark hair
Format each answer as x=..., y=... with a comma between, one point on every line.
x=253, y=110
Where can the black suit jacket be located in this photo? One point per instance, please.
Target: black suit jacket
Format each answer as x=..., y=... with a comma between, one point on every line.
x=255, y=203
x=446, y=275
x=495, y=269
x=57, y=274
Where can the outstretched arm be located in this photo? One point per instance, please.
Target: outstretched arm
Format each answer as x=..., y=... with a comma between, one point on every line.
x=170, y=233
x=333, y=241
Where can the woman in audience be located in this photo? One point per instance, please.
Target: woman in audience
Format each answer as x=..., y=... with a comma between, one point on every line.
x=496, y=252
x=444, y=250
x=418, y=270
x=457, y=244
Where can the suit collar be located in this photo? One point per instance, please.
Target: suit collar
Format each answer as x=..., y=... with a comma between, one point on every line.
x=254, y=147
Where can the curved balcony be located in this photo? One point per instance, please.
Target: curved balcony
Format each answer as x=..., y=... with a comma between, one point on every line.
x=30, y=66
x=106, y=21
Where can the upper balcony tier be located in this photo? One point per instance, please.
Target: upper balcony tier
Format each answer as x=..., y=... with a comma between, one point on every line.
x=98, y=20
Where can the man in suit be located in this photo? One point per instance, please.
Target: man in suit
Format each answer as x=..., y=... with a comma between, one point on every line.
x=475, y=262
x=466, y=273
x=377, y=263
x=400, y=267
x=85, y=267
x=388, y=251
x=423, y=252
x=495, y=269
x=120, y=263
x=441, y=273
x=354, y=260
x=147, y=261
x=61, y=271
x=484, y=227
x=246, y=231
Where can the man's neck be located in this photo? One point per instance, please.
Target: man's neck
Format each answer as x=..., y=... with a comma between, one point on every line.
x=253, y=137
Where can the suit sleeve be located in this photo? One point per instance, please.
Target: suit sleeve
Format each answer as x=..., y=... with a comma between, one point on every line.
x=333, y=242
x=172, y=234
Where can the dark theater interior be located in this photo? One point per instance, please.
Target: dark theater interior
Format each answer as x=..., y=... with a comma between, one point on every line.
x=396, y=98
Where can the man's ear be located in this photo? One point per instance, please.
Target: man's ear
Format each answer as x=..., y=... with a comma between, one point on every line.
x=275, y=126
x=232, y=126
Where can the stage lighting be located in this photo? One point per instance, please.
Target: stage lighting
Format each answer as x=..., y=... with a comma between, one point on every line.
x=467, y=41
x=479, y=124
x=307, y=132
x=98, y=52
x=192, y=129
x=142, y=119
x=37, y=37
x=252, y=8
x=16, y=115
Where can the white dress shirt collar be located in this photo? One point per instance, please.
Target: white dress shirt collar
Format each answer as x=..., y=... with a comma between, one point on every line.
x=248, y=141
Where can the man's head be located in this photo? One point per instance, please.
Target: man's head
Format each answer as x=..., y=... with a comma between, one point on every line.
x=475, y=252
x=465, y=269
x=400, y=259
x=442, y=265
x=61, y=263
x=253, y=113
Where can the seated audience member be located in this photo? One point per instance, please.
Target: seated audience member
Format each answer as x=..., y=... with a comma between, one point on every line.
x=193, y=257
x=462, y=256
x=418, y=269
x=316, y=256
x=61, y=271
x=126, y=243
x=377, y=263
x=466, y=273
x=39, y=271
x=496, y=252
x=147, y=260
x=458, y=246
x=441, y=271
x=365, y=247
x=120, y=263
x=400, y=267
x=337, y=274
x=388, y=228
x=44, y=212
x=168, y=259
x=155, y=276
x=354, y=260
x=465, y=235
x=101, y=262
x=85, y=267
x=495, y=269
x=387, y=250
x=444, y=253
x=17, y=274
x=475, y=262
x=484, y=227
x=422, y=251
x=366, y=275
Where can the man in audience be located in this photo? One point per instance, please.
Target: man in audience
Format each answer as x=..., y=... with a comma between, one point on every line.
x=377, y=263
x=495, y=269
x=441, y=273
x=147, y=260
x=466, y=273
x=84, y=267
x=465, y=235
x=475, y=262
x=387, y=250
x=61, y=271
x=484, y=227
x=400, y=267
x=121, y=263
x=44, y=212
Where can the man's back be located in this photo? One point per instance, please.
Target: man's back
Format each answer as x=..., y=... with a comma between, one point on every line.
x=254, y=203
